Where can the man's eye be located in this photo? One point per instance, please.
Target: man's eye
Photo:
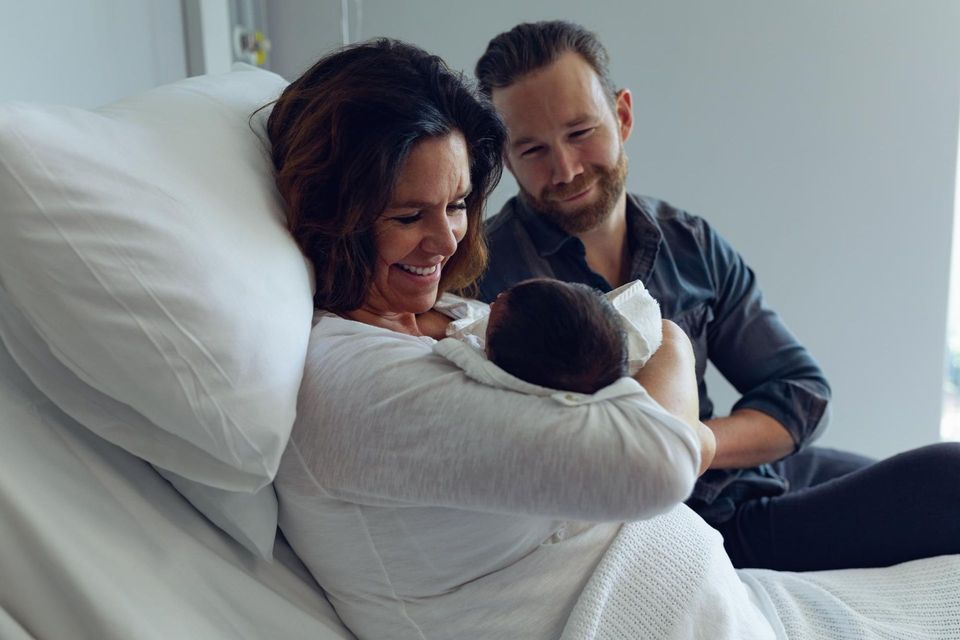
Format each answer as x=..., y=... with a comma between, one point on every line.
x=582, y=132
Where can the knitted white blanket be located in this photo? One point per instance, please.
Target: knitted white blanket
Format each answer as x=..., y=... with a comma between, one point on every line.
x=917, y=600
x=669, y=578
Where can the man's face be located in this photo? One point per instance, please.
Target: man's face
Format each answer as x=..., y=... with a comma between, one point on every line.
x=565, y=145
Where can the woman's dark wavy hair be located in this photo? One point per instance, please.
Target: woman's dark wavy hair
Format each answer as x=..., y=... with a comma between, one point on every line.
x=340, y=135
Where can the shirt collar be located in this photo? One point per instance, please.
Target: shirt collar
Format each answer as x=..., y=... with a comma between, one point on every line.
x=645, y=237
x=644, y=234
x=547, y=237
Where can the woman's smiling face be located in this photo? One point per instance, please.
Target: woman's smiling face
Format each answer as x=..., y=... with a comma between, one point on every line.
x=421, y=227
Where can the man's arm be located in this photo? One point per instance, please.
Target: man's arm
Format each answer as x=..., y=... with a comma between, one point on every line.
x=785, y=394
x=748, y=438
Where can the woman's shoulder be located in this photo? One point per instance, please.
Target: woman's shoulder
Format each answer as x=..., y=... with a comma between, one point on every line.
x=329, y=326
x=343, y=346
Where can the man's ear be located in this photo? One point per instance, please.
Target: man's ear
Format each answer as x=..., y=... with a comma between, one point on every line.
x=623, y=106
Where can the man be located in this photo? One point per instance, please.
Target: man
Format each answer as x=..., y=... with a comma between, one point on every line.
x=573, y=220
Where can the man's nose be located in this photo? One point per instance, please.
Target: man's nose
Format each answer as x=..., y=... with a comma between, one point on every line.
x=566, y=165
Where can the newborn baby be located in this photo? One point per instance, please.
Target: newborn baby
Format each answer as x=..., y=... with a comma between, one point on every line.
x=546, y=335
x=557, y=334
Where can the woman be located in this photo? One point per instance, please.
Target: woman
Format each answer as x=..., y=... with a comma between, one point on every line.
x=427, y=504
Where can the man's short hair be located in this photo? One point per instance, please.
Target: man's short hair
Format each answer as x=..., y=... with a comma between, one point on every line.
x=534, y=45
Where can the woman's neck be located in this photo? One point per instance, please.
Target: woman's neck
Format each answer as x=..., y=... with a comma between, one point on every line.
x=399, y=322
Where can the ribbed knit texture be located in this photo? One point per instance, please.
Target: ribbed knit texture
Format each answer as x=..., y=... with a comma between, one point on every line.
x=668, y=578
x=917, y=600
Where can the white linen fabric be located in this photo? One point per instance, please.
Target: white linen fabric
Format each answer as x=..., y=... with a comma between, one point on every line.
x=639, y=313
x=642, y=321
x=149, y=287
x=135, y=241
x=423, y=501
x=250, y=518
x=94, y=545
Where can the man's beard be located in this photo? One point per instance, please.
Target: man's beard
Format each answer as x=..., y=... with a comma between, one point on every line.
x=609, y=182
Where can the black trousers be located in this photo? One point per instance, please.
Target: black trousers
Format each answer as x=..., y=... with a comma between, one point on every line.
x=845, y=511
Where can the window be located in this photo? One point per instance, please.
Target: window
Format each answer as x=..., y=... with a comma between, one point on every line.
x=950, y=422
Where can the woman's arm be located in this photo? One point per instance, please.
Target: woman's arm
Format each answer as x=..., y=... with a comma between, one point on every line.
x=670, y=379
x=383, y=420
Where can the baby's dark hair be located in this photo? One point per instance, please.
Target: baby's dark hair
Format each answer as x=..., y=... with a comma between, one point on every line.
x=559, y=335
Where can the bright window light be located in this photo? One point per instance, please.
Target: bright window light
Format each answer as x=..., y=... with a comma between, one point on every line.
x=950, y=422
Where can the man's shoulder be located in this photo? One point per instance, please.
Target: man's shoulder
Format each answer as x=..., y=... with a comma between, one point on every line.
x=504, y=224
x=671, y=220
x=512, y=251
x=664, y=213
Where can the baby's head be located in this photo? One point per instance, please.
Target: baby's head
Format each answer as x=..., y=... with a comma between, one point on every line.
x=557, y=334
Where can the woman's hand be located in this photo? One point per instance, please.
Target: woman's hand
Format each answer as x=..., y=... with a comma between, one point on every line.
x=670, y=378
x=433, y=323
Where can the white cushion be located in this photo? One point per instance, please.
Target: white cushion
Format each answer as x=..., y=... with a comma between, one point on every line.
x=142, y=245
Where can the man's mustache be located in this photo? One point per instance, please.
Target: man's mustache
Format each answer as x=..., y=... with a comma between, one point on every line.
x=579, y=184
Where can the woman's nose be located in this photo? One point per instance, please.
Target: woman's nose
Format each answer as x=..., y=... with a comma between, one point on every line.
x=441, y=238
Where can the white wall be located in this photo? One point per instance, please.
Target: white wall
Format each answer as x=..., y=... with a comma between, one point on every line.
x=300, y=31
x=88, y=52
x=820, y=137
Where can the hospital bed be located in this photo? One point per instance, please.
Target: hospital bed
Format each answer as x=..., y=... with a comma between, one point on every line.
x=154, y=318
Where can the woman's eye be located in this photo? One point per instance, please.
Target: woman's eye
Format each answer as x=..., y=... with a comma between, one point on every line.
x=532, y=151
x=410, y=219
x=457, y=206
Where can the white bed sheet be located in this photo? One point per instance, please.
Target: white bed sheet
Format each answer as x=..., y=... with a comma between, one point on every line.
x=95, y=544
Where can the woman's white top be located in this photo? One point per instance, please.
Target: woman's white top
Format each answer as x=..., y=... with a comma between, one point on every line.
x=429, y=504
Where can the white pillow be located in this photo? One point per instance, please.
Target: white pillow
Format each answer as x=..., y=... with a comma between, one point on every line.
x=143, y=245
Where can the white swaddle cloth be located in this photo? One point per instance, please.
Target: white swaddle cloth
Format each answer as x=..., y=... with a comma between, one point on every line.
x=638, y=310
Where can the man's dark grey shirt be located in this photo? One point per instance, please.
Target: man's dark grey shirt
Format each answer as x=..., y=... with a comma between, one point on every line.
x=704, y=286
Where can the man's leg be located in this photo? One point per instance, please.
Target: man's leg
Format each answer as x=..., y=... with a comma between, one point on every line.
x=903, y=508
x=816, y=465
